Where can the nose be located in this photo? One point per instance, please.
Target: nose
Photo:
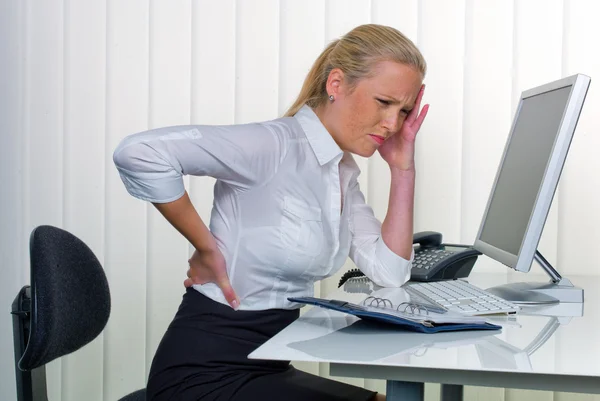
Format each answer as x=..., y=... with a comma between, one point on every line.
x=391, y=123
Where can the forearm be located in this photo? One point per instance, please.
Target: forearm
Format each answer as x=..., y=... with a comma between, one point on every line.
x=397, y=227
x=183, y=216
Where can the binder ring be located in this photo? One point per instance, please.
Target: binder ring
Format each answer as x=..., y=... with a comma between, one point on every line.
x=378, y=302
x=405, y=307
x=414, y=308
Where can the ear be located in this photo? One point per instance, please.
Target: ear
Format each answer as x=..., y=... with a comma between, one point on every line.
x=335, y=82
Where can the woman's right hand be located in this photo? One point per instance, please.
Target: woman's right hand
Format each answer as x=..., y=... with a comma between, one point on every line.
x=209, y=267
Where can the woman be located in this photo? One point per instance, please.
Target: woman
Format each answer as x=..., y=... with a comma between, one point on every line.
x=288, y=211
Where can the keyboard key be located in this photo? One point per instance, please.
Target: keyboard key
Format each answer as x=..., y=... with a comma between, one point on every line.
x=462, y=297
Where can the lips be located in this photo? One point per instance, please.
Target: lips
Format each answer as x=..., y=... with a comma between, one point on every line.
x=378, y=139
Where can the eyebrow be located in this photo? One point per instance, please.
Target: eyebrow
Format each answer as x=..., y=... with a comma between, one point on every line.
x=394, y=100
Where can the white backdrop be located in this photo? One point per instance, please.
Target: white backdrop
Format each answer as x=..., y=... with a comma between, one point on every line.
x=77, y=76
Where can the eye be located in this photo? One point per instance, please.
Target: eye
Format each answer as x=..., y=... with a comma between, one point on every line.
x=405, y=111
x=384, y=102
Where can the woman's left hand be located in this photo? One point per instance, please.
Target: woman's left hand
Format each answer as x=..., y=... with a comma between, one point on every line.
x=399, y=150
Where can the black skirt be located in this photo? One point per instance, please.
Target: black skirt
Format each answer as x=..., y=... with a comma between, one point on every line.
x=203, y=356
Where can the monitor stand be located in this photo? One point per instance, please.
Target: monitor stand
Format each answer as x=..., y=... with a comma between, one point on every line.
x=558, y=289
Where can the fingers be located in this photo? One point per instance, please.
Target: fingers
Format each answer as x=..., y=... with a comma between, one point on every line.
x=230, y=295
x=421, y=118
x=412, y=116
x=224, y=285
x=191, y=280
x=228, y=292
x=212, y=270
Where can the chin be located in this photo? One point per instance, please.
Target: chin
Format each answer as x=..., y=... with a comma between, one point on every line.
x=364, y=152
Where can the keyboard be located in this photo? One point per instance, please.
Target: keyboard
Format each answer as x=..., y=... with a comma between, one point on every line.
x=462, y=297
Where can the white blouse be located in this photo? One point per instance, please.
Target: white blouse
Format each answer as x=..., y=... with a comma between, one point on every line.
x=287, y=208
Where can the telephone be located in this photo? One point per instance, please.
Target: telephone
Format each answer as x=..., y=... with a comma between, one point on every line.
x=434, y=260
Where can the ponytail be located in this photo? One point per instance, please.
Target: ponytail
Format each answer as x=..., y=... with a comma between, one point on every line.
x=313, y=90
x=355, y=54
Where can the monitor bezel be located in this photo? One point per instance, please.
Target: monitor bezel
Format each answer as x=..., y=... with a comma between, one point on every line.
x=523, y=260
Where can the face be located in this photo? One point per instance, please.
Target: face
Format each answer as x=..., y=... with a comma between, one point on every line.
x=360, y=120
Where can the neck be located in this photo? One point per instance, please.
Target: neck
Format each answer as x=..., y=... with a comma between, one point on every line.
x=324, y=114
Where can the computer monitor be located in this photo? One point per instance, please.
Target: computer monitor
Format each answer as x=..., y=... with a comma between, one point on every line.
x=525, y=184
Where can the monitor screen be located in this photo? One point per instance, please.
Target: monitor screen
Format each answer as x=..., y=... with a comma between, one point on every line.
x=529, y=170
x=522, y=171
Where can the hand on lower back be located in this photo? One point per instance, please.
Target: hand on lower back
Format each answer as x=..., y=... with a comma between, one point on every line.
x=210, y=267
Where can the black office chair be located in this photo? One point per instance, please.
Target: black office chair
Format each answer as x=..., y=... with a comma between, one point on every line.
x=66, y=307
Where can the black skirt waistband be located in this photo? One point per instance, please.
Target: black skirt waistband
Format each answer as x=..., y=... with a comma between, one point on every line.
x=199, y=311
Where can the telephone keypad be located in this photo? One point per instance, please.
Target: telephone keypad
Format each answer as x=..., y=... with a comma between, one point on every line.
x=427, y=258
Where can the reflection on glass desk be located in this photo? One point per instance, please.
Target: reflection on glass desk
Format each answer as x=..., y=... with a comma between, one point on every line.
x=533, y=341
x=550, y=348
x=368, y=342
x=492, y=351
x=384, y=341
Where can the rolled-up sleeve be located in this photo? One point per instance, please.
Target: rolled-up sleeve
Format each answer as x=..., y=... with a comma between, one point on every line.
x=368, y=249
x=152, y=163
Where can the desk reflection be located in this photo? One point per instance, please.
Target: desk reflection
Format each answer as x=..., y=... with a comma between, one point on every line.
x=367, y=341
x=353, y=340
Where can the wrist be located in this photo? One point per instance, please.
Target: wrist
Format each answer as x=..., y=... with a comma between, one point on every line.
x=207, y=248
x=406, y=170
x=209, y=245
x=404, y=160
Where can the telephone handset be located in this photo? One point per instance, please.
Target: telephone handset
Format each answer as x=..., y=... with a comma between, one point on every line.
x=434, y=260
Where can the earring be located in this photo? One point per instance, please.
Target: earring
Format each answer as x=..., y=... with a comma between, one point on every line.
x=331, y=98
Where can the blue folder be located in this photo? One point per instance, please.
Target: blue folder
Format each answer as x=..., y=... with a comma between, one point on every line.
x=424, y=323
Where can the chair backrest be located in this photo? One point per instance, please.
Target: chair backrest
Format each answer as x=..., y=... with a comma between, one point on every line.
x=70, y=298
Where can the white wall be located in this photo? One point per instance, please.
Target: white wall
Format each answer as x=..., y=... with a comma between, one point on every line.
x=77, y=76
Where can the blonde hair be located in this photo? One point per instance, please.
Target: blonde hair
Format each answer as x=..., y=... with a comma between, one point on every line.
x=355, y=54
